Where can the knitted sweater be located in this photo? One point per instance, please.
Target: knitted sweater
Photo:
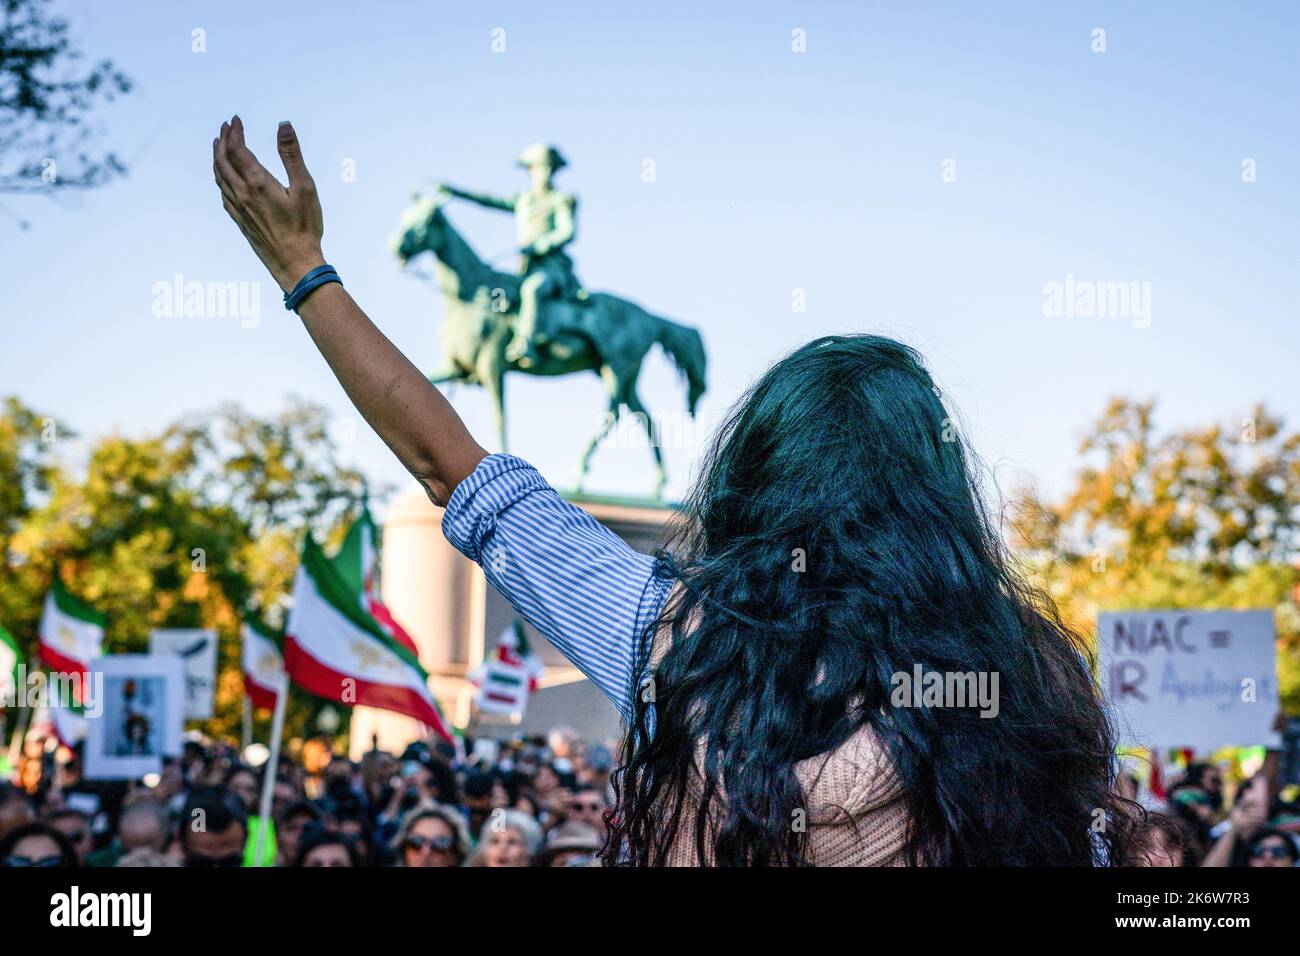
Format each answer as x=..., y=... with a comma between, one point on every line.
x=856, y=815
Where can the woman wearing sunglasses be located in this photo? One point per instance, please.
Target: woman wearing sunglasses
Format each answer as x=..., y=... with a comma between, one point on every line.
x=432, y=836
x=1271, y=847
x=36, y=844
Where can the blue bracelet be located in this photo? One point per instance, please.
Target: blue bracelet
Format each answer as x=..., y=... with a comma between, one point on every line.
x=309, y=283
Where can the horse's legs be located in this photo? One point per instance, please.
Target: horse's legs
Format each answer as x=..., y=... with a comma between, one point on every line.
x=612, y=383
x=633, y=402
x=492, y=376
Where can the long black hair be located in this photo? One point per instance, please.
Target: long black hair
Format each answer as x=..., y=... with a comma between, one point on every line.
x=836, y=538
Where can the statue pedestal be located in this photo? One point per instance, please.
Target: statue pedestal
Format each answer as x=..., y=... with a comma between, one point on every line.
x=455, y=617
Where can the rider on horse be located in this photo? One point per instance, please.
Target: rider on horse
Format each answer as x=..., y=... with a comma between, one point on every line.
x=545, y=221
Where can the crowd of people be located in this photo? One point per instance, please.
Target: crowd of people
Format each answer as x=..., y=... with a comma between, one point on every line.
x=526, y=801
x=1202, y=822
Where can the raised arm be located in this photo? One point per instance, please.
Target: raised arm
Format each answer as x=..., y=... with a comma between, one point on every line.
x=285, y=227
x=569, y=576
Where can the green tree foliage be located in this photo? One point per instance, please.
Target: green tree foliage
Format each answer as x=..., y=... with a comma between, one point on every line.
x=186, y=528
x=27, y=475
x=47, y=99
x=1198, y=518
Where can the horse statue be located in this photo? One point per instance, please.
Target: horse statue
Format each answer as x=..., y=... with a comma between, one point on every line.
x=605, y=334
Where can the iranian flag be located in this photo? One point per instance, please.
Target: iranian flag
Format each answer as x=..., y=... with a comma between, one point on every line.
x=72, y=633
x=357, y=565
x=336, y=650
x=262, y=658
x=507, y=678
x=69, y=721
x=9, y=659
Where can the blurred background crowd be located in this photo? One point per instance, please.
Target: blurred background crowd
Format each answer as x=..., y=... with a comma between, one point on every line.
x=514, y=802
x=508, y=802
x=1206, y=818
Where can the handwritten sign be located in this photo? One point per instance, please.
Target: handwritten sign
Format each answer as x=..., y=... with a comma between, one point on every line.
x=1199, y=679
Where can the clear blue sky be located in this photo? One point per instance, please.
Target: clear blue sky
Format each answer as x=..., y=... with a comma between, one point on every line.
x=775, y=171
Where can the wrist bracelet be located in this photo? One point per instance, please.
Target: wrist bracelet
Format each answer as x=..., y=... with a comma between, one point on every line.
x=309, y=283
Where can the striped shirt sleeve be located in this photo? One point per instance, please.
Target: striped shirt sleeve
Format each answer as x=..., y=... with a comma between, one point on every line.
x=565, y=573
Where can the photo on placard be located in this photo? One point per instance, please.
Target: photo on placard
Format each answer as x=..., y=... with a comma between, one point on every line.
x=139, y=717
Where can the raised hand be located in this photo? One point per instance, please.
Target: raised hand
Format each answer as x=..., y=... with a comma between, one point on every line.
x=284, y=226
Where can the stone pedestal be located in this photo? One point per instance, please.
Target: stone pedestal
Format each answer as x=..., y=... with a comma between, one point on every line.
x=455, y=616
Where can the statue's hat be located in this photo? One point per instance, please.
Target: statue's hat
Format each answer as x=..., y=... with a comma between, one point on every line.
x=542, y=154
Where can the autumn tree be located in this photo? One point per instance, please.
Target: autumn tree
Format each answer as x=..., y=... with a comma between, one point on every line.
x=187, y=528
x=1205, y=517
x=28, y=473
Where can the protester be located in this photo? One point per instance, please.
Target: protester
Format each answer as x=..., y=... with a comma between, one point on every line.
x=836, y=538
x=596, y=770
x=37, y=844
x=570, y=844
x=289, y=827
x=184, y=820
x=76, y=826
x=323, y=848
x=1165, y=842
x=480, y=797
x=242, y=781
x=432, y=835
x=15, y=809
x=283, y=793
x=1227, y=844
x=587, y=806
x=357, y=828
x=144, y=825
x=1196, y=810
x=1209, y=780
x=509, y=838
x=1272, y=847
x=377, y=770
x=213, y=829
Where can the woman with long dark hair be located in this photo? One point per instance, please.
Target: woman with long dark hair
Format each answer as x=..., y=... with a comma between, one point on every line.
x=834, y=663
x=834, y=541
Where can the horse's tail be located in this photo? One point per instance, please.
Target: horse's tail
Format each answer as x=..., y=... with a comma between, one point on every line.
x=685, y=347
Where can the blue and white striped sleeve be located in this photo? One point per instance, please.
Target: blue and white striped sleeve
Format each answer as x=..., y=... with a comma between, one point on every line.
x=565, y=573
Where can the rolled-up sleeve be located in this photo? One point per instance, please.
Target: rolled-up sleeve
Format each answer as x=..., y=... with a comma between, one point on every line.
x=565, y=573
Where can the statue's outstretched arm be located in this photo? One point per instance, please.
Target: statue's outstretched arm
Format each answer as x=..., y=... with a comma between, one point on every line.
x=506, y=203
x=284, y=227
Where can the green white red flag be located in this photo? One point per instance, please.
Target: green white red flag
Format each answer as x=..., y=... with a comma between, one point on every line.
x=69, y=721
x=72, y=633
x=336, y=650
x=507, y=678
x=357, y=563
x=10, y=657
x=71, y=636
x=262, y=660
